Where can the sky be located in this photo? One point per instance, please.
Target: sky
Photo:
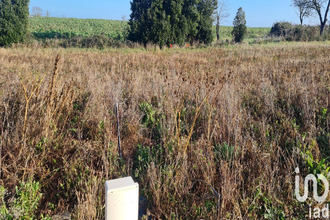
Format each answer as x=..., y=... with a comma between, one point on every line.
x=259, y=13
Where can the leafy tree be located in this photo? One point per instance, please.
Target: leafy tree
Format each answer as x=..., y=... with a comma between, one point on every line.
x=13, y=21
x=239, y=30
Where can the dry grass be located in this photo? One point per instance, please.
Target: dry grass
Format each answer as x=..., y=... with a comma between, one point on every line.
x=239, y=118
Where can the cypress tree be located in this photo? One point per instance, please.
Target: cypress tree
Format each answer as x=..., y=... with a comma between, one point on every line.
x=160, y=23
x=206, y=9
x=139, y=23
x=178, y=22
x=192, y=16
x=171, y=21
x=13, y=21
x=239, y=30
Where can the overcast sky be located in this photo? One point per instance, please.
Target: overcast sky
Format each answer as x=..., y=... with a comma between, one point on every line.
x=259, y=13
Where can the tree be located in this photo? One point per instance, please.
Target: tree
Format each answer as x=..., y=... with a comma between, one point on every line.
x=36, y=11
x=206, y=9
x=220, y=16
x=239, y=30
x=318, y=6
x=192, y=16
x=166, y=22
x=139, y=24
x=13, y=21
x=178, y=22
x=160, y=23
x=304, y=9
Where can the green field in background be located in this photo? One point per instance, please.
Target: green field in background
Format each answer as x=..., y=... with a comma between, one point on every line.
x=64, y=28
x=49, y=28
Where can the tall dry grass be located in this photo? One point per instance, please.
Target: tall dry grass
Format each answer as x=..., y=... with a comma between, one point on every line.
x=195, y=124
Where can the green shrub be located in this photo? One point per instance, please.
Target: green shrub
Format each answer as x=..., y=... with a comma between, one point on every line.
x=152, y=120
x=146, y=155
x=25, y=204
x=292, y=32
x=224, y=152
x=281, y=29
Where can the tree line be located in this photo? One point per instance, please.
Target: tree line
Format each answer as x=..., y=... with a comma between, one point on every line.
x=162, y=22
x=167, y=22
x=307, y=8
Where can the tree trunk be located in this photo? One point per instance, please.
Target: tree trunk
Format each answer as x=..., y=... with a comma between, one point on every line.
x=322, y=27
x=218, y=27
x=323, y=22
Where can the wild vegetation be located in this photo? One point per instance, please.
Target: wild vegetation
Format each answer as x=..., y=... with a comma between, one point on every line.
x=290, y=32
x=210, y=133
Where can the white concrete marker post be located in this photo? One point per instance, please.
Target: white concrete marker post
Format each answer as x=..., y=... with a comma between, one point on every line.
x=121, y=199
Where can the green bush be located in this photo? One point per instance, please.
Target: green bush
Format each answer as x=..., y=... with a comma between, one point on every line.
x=152, y=120
x=281, y=29
x=292, y=32
x=25, y=204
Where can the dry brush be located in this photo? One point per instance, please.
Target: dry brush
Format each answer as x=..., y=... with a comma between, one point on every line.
x=208, y=133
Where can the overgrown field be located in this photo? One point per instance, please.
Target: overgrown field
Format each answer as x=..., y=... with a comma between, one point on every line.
x=43, y=28
x=238, y=119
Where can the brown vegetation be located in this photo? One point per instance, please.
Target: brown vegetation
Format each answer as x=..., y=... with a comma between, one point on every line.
x=238, y=119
